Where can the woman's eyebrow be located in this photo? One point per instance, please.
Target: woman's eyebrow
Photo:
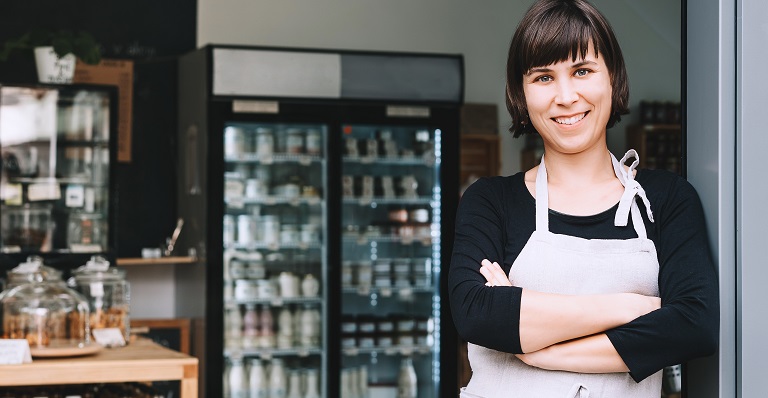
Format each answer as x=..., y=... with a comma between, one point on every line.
x=548, y=70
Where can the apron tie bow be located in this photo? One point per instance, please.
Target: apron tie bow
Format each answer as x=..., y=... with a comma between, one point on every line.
x=632, y=188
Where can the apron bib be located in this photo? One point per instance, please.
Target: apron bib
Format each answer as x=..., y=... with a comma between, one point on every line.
x=571, y=265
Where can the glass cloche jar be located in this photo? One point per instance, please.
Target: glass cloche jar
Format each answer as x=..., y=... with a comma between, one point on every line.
x=108, y=294
x=39, y=307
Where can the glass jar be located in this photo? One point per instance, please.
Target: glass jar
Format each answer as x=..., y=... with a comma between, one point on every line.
x=28, y=227
x=40, y=308
x=108, y=295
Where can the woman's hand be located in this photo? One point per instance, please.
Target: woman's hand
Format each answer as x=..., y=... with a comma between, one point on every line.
x=494, y=274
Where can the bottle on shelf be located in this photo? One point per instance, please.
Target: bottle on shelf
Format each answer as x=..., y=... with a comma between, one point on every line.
x=257, y=380
x=277, y=379
x=285, y=330
x=309, y=333
x=294, y=384
x=238, y=386
x=312, y=384
x=266, y=327
x=362, y=381
x=250, y=327
x=407, y=385
x=234, y=328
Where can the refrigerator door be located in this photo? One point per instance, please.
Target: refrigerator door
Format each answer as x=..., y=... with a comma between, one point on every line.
x=56, y=155
x=274, y=258
x=391, y=253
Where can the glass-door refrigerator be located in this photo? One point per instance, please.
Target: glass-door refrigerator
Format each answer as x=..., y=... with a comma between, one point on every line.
x=56, y=195
x=319, y=190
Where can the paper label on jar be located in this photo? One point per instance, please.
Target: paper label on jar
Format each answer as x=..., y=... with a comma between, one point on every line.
x=97, y=289
x=14, y=352
x=109, y=337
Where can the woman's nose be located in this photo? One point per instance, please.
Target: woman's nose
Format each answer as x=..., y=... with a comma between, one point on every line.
x=566, y=92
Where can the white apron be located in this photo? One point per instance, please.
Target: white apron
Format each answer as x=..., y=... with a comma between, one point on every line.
x=571, y=265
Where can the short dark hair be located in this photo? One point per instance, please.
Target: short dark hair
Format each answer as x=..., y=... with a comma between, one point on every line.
x=553, y=31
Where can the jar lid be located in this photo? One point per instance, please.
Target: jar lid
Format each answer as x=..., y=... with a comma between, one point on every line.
x=97, y=269
x=33, y=270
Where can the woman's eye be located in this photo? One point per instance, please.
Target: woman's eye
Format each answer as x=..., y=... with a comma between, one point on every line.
x=582, y=72
x=544, y=78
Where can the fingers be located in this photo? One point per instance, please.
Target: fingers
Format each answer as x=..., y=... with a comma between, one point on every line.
x=494, y=274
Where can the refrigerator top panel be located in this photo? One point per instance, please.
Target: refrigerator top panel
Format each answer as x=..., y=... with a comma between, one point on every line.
x=56, y=156
x=324, y=74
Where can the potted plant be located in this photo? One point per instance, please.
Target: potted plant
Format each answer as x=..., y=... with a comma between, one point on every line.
x=55, y=52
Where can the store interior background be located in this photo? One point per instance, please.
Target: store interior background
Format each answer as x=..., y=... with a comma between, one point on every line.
x=649, y=32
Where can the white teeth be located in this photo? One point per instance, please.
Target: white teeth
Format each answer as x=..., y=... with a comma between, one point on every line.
x=570, y=120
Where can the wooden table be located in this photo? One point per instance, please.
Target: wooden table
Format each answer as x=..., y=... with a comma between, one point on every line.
x=140, y=361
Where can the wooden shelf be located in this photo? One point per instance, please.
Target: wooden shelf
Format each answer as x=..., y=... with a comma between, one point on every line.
x=140, y=361
x=152, y=261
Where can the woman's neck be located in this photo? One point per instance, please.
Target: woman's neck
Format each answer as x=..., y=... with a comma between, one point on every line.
x=592, y=166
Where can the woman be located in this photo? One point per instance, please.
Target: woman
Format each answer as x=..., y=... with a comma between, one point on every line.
x=580, y=277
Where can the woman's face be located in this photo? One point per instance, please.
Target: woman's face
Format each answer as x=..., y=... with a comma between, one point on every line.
x=569, y=103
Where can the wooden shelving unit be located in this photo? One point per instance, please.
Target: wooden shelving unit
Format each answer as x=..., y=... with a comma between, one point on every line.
x=152, y=261
x=659, y=145
x=140, y=361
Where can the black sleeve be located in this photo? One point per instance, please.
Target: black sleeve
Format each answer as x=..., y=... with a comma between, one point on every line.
x=484, y=316
x=687, y=324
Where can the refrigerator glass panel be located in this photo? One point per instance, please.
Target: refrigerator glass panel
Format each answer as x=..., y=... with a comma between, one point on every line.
x=274, y=228
x=55, y=169
x=390, y=254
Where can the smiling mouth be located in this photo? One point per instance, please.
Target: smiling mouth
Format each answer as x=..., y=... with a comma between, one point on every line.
x=571, y=119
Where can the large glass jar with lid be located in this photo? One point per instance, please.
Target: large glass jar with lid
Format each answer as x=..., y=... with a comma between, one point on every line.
x=108, y=294
x=39, y=307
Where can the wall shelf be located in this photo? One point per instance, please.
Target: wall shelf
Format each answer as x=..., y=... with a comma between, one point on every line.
x=156, y=261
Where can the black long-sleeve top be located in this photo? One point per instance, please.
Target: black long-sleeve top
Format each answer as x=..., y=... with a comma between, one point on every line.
x=495, y=218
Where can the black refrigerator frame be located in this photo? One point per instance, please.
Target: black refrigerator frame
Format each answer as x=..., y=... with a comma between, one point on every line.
x=202, y=118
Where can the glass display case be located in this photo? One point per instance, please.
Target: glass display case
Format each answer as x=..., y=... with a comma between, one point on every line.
x=56, y=155
x=274, y=255
x=391, y=218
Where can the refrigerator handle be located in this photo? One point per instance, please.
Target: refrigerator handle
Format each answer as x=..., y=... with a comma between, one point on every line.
x=192, y=162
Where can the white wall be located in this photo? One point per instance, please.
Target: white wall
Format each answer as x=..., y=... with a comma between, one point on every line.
x=481, y=31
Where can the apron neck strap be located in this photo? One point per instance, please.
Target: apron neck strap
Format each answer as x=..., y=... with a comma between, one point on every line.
x=627, y=204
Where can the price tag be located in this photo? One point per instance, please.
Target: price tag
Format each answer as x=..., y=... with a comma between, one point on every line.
x=303, y=352
x=14, y=352
x=406, y=293
x=294, y=202
x=385, y=292
x=406, y=351
x=305, y=160
x=277, y=302
x=265, y=159
x=109, y=337
x=390, y=351
x=351, y=351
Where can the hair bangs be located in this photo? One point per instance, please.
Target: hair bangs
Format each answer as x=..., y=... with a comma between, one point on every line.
x=546, y=46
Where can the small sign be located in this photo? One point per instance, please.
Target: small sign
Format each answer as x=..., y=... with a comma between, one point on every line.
x=408, y=111
x=43, y=191
x=250, y=106
x=14, y=352
x=74, y=196
x=12, y=194
x=109, y=337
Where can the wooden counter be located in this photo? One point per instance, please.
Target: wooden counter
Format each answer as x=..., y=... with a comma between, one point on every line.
x=142, y=361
